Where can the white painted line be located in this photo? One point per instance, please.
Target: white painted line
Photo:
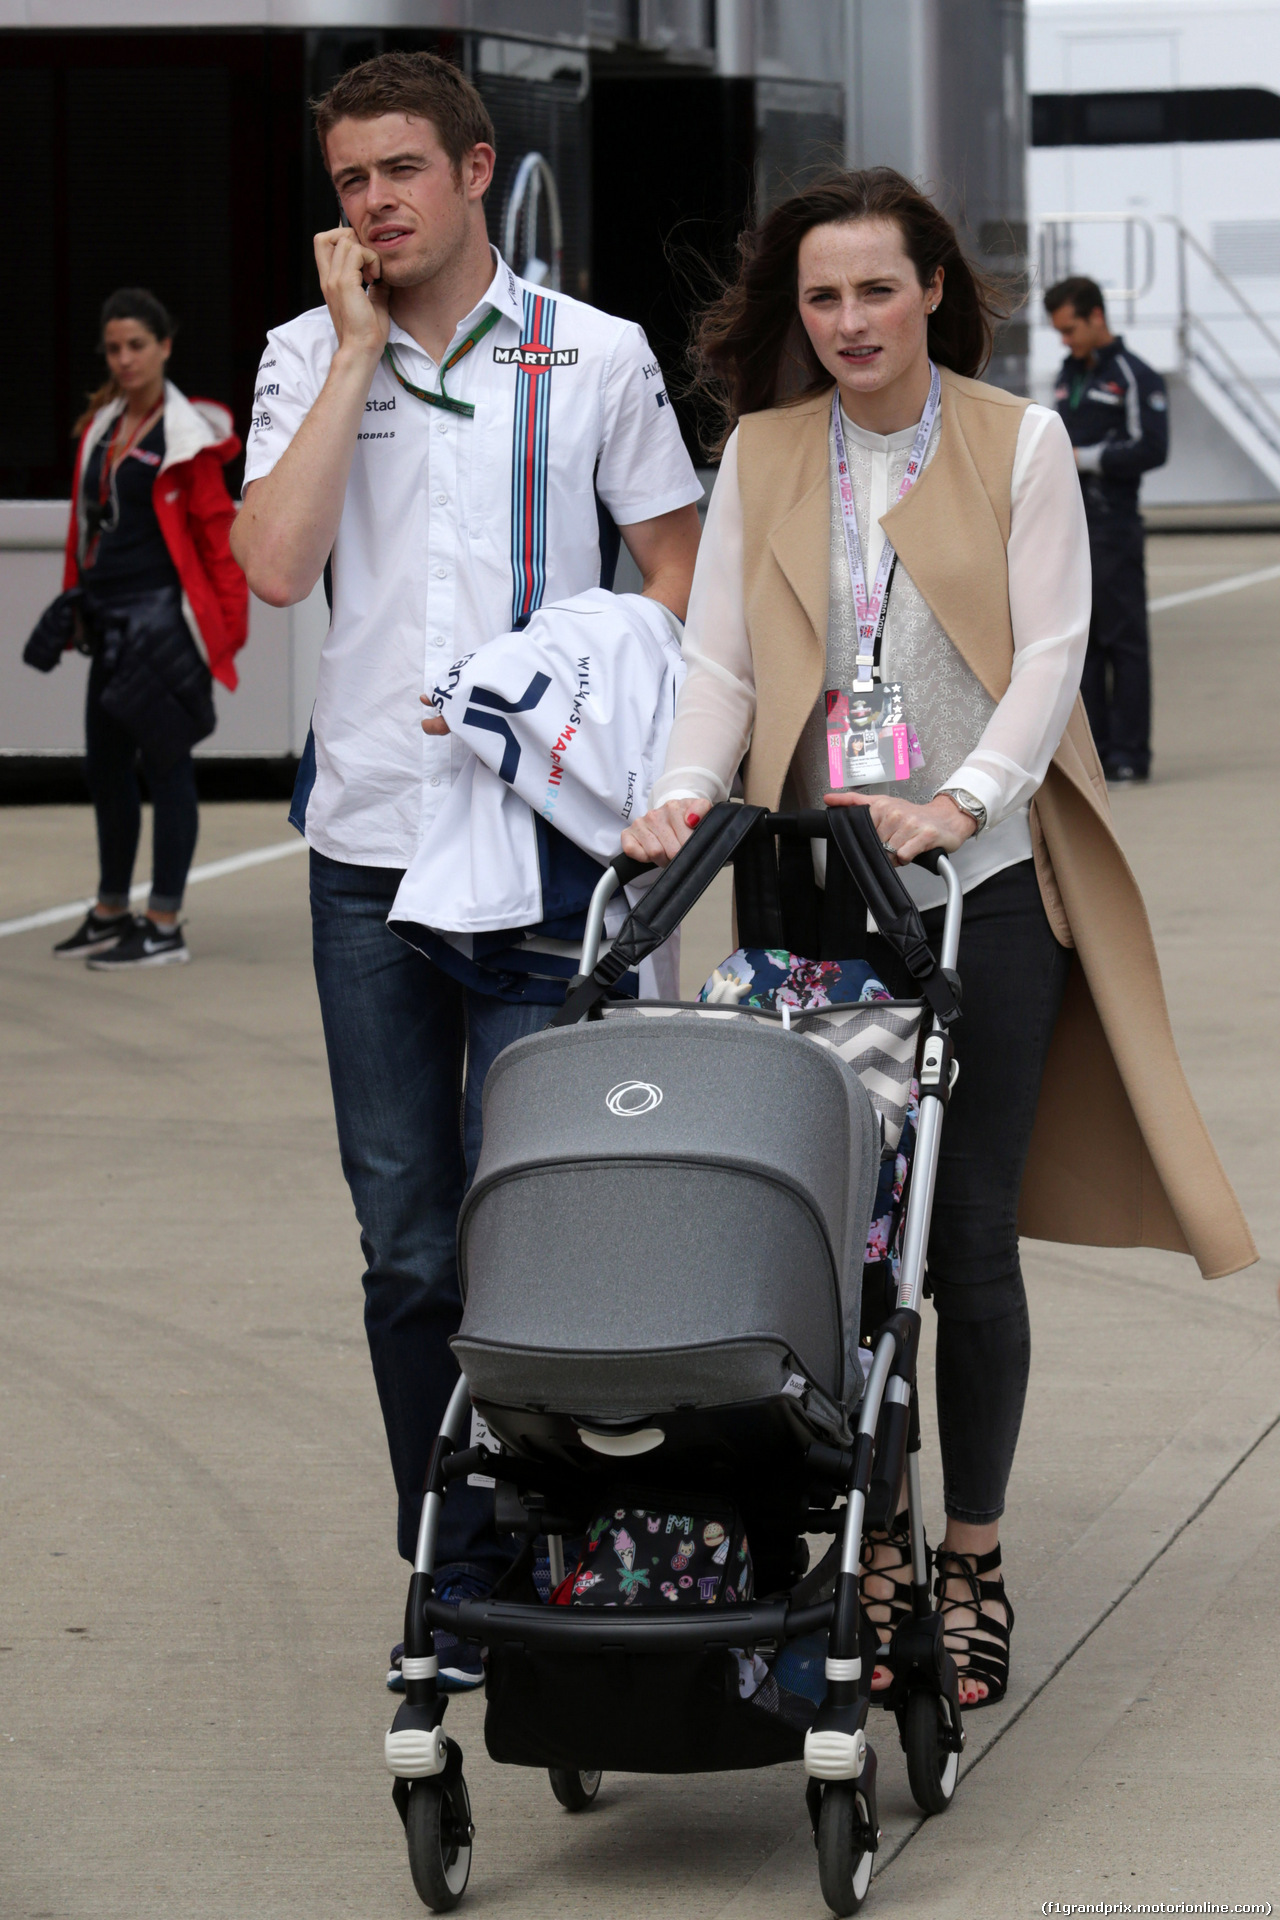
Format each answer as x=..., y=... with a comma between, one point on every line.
x=212, y=870
x=237, y=862
x=1232, y=585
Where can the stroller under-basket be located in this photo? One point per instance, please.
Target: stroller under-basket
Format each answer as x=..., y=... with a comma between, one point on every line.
x=666, y=1314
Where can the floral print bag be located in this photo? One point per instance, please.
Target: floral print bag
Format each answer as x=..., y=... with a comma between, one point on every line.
x=640, y=1556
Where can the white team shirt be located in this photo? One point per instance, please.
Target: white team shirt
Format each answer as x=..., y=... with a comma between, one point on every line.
x=454, y=530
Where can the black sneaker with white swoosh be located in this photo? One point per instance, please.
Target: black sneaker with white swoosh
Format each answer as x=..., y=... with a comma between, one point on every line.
x=145, y=945
x=95, y=933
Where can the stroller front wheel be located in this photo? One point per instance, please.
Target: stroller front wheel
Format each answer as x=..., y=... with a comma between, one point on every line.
x=844, y=1862
x=439, y=1831
x=575, y=1788
x=933, y=1766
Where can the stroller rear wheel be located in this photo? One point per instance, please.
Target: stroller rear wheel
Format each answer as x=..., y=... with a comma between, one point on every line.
x=844, y=1863
x=932, y=1764
x=575, y=1788
x=439, y=1831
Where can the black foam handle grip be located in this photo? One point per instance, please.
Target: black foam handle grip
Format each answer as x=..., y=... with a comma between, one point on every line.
x=628, y=869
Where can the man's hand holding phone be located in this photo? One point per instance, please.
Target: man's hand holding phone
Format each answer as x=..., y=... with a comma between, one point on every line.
x=361, y=313
x=286, y=529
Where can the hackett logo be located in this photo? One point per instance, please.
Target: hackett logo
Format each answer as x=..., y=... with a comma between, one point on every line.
x=535, y=358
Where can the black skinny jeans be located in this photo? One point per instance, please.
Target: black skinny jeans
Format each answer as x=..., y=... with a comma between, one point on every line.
x=111, y=765
x=1013, y=974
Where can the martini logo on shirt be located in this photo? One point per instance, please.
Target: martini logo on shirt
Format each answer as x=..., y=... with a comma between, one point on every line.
x=534, y=357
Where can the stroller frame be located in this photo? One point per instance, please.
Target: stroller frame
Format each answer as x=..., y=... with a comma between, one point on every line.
x=429, y=1790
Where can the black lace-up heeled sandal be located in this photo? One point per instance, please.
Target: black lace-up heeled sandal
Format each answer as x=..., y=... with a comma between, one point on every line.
x=886, y=1611
x=980, y=1651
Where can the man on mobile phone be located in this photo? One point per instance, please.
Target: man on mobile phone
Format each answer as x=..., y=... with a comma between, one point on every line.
x=443, y=436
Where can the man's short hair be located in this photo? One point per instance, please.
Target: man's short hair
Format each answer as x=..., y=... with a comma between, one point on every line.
x=1084, y=295
x=421, y=85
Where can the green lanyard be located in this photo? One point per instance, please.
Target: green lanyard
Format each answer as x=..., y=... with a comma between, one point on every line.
x=1078, y=386
x=441, y=399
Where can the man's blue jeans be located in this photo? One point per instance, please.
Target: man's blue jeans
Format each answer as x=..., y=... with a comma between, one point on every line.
x=398, y=1032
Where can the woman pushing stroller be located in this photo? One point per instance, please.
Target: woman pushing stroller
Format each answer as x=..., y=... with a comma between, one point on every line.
x=881, y=517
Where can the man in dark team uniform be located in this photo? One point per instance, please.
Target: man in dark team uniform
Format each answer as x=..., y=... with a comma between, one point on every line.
x=1116, y=413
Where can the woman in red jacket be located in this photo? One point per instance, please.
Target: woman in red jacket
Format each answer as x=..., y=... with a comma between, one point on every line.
x=165, y=609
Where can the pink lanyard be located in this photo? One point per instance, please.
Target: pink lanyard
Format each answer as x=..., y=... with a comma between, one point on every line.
x=869, y=609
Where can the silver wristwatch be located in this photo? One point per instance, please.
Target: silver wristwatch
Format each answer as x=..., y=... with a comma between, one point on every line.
x=967, y=803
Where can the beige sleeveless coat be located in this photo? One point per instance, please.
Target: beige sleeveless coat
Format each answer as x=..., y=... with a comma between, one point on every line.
x=1119, y=1154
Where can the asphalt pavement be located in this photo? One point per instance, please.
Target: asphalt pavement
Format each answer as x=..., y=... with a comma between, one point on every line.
x=199, y=1584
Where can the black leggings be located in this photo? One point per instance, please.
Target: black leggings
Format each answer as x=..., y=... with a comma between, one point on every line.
x=1013, y=974
x=111, y=764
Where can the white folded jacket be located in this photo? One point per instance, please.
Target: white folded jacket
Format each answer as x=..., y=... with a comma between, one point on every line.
x=566, y=720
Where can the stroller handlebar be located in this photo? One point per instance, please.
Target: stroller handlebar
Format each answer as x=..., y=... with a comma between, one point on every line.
x=713, y=845
x=810, y=823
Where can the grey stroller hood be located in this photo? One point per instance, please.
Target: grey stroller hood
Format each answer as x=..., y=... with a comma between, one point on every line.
x=667, y=1214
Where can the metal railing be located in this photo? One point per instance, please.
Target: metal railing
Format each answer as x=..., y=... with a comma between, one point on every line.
x=1201, y=345
x=1056, y=250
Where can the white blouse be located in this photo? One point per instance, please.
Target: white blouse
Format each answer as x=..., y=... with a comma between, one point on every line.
x=1010, y=743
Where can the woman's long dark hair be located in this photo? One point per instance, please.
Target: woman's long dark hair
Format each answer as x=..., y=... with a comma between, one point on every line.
x=750, y=347
x=126, y=303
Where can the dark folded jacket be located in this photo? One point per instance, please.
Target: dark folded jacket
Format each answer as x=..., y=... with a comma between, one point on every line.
x=53, y=632
x=156, y=684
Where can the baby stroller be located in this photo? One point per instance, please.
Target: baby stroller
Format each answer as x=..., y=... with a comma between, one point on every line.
x=666, y=1333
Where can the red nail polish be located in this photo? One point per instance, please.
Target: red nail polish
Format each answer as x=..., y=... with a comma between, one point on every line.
x=692, y=819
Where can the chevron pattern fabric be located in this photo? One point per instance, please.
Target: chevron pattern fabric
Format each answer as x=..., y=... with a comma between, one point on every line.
x=878, y=1039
